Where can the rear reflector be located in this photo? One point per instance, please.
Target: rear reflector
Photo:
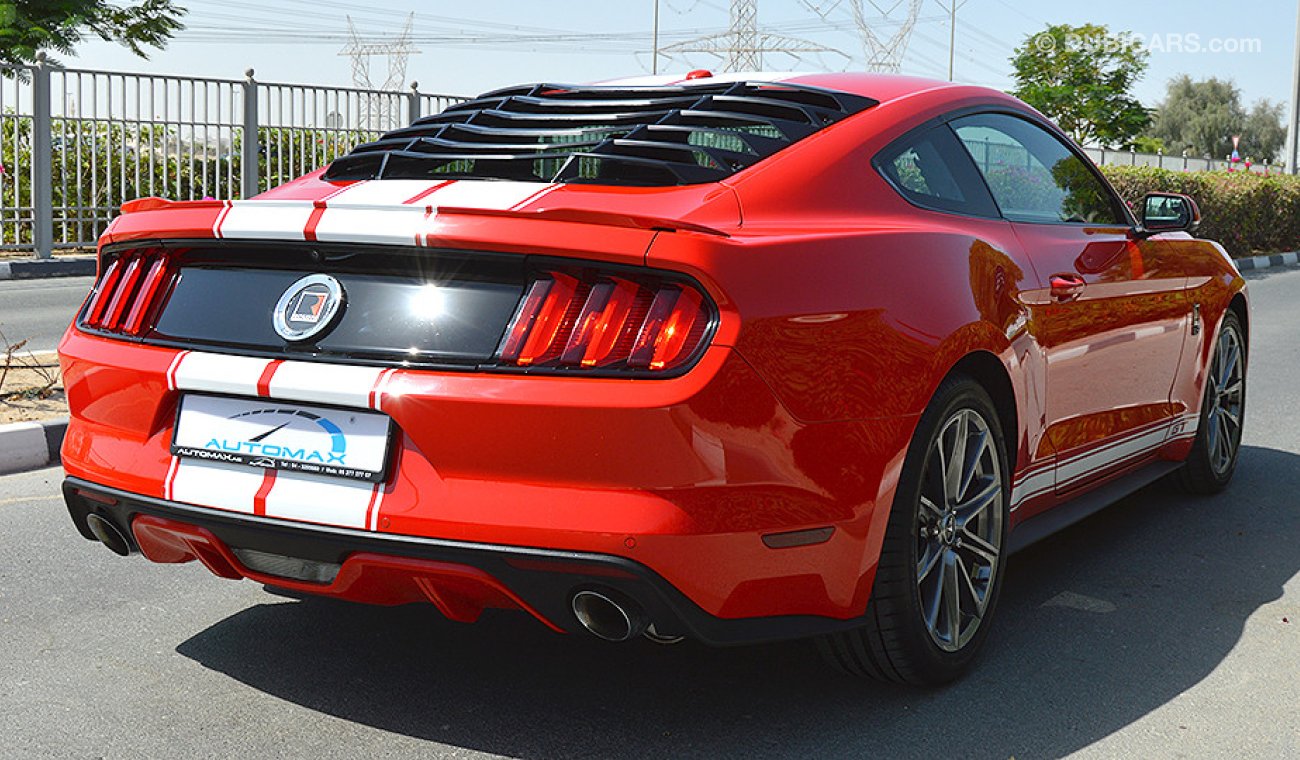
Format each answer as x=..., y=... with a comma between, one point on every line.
x=605, y=322
x=128, y=293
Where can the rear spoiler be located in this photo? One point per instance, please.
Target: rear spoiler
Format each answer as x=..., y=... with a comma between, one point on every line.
x=590, y=216
x=577, y=215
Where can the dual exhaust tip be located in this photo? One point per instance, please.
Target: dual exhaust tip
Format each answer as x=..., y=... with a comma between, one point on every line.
x=609, y=616
x=108, y=534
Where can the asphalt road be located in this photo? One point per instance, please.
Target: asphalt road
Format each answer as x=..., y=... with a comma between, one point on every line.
x=38, y=311
x=1166, y=626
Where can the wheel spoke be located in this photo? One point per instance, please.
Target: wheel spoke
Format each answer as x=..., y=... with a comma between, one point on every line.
x=935, y=600
x=1212, y=431
x=1217, y=450
x=1233, y=391
x=977, y=599
x=956, y=458
x=1232, y=354
x=952, y=599
x=931, y=508
x=975, y=505
x=1230, y=417
x=982, y=549
x=933, y=553
x=971, y=463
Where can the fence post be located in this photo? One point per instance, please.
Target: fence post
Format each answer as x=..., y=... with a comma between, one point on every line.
x=42, y=161
x=248, y=169
x=413, y=104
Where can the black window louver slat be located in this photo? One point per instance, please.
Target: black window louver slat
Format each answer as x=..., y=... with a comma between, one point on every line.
x=642, y=136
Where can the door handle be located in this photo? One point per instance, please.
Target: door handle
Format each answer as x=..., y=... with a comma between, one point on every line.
x=1067, y=287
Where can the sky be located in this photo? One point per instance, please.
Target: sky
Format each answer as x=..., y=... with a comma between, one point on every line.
x=467, y=48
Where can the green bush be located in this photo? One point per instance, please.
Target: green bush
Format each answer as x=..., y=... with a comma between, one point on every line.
x=1247, y=213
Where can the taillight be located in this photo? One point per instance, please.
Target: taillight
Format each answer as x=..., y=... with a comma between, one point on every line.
x=128, y=292
x=606, y=322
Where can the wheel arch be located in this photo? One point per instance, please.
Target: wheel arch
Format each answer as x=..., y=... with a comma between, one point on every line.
x=987, y=369
x=1239, y=307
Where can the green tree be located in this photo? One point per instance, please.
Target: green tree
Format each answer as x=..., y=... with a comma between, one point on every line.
x=1199, y=117
x=1263, y=134
x=30, y=26
x=1081, y=77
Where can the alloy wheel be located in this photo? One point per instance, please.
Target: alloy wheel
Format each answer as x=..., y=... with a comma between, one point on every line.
x=1225, y=397
x=959, y=536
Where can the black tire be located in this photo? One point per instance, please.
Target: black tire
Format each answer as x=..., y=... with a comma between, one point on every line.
x=896, y=643
x=1208, y=468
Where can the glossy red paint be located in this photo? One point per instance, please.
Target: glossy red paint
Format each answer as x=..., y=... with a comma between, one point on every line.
x=841, y=308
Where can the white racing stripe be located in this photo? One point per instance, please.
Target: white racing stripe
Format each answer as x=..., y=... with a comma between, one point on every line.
x=275, y=220
x=335, y=384
x=219, y=373
x=215, y=484
x=391, y=211
x=1044, y=479
x=329, y=501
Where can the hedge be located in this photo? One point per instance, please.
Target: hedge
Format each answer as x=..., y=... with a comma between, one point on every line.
x=1247, y=213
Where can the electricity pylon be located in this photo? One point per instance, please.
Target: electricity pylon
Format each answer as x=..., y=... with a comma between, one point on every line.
x=882, y=54
x=379, y=112
x=743, y=44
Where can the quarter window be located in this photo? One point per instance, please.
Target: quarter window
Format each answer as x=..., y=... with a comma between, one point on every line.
x=932, y=170
x=1032, y=175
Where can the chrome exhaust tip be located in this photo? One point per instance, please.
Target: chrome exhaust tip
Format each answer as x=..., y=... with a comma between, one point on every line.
x=608, y=618
x=108, y=534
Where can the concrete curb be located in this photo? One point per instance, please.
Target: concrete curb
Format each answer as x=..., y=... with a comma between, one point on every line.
x=1252, y=263
x=36, y=269
x=28, y=445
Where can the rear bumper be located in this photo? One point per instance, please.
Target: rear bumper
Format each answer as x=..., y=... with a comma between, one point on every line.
x=460, y=578
x=695, y=478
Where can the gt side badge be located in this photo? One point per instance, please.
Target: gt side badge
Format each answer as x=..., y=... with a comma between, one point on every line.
x=308, y=307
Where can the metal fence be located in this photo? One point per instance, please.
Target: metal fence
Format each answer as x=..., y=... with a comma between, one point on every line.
x=77, y=143
x=1183, y=163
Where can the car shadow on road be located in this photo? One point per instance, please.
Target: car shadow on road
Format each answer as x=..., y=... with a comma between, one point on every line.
x=1098, y=626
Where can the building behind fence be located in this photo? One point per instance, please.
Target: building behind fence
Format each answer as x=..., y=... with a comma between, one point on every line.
x=111, y=137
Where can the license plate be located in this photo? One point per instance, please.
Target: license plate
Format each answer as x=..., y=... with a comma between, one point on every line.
x=278, y=435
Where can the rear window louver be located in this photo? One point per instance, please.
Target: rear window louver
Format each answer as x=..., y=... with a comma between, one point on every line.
x=645, y=136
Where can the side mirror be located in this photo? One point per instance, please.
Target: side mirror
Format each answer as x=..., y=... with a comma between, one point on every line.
x=1169, y=212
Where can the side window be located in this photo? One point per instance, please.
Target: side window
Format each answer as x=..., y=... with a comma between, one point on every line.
x=931, y=170
x=1032, y=175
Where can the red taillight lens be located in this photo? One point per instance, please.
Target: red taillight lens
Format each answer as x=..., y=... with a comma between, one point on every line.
x=128, y=291
x=667, y=330
x=605, y=322
x=538, y=319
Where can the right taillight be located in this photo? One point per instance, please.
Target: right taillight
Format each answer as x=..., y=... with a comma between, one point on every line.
x=610, y=322
x=128, y=292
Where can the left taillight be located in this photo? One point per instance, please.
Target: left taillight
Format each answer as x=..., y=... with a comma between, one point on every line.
x=128, y=292
x=611, y=323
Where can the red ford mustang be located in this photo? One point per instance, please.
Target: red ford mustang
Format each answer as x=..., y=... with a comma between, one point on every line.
x=717, y=358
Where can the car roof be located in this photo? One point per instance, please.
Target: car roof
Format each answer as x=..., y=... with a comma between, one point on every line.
x=880, y=87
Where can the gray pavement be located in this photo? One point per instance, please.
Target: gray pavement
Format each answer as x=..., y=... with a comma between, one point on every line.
x=1166, y=626
x=38, y=311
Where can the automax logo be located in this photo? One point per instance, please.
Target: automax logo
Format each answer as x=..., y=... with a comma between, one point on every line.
x=256, y=446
